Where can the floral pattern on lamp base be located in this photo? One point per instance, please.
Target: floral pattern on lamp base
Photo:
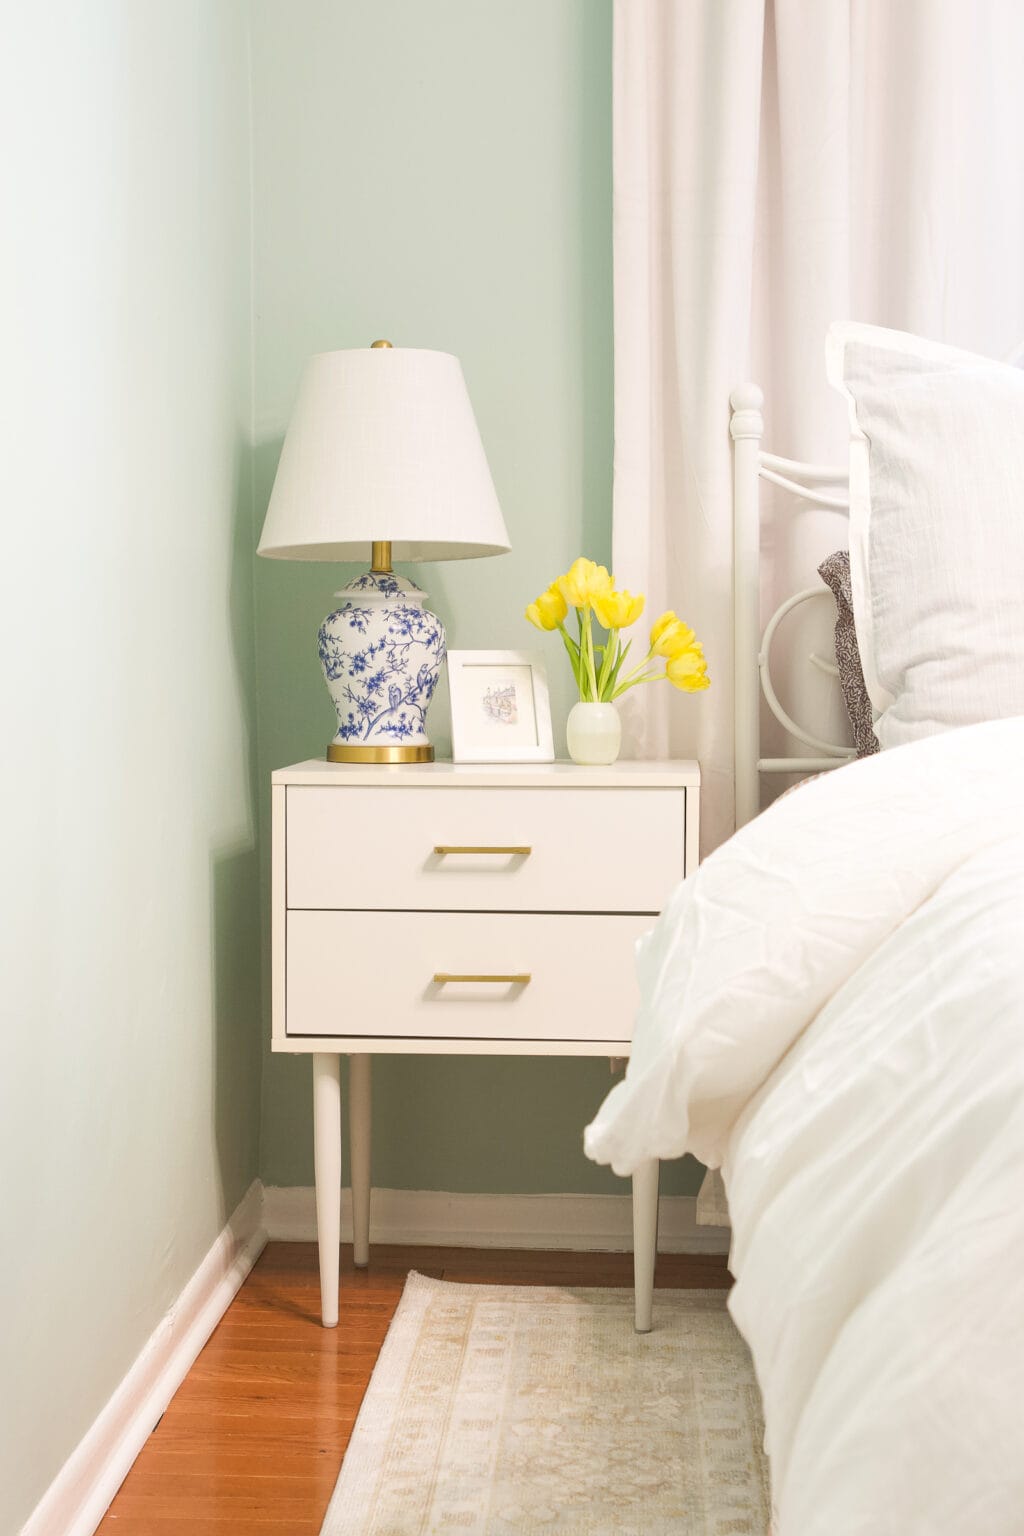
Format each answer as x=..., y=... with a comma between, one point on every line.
x=381, y=652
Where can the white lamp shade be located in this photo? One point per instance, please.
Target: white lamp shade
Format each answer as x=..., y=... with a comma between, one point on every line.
x=383, y=445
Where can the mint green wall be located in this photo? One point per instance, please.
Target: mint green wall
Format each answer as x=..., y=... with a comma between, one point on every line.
x=440, y=174
x=129, y=1093
x=436, y=172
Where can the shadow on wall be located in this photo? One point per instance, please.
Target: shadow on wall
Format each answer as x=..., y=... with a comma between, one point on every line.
x=234, y=896
x=237, y=1054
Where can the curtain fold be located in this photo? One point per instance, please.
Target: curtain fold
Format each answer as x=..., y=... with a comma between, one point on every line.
x=779, y=164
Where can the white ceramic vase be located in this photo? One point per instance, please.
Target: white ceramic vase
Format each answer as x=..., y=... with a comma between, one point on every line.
x=593, y=734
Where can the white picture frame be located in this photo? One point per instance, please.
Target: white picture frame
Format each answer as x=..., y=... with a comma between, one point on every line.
x=500, y=708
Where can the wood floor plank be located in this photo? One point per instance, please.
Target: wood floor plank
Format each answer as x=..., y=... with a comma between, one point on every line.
x=254, y=1437
x=227, y=1523
x=268, y=1457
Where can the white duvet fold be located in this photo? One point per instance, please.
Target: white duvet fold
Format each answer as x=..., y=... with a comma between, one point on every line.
x=876, y=1186
x=752, y=946
x=833, y=1010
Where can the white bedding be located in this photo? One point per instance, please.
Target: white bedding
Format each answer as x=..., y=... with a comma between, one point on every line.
x=833, y=1011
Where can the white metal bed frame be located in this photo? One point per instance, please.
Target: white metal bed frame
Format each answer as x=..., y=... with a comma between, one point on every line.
x=817, y=485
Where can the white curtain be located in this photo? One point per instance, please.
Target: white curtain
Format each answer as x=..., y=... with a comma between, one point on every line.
x=778, y=166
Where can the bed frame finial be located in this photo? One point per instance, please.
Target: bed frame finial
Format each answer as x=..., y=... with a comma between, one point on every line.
x=747, y=402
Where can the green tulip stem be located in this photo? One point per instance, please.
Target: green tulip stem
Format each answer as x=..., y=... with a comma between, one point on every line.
x=632, y=681
x=609, y=659
x=581, y=681
x=587, y=651
x=634, y=676
x=573, y=652
x=590, y=658
x=608, y=686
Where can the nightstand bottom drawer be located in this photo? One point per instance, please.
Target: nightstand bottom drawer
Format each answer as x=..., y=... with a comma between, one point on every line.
x=462, y=975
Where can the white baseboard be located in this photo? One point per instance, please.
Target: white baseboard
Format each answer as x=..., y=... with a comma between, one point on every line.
x=583, y=1223
x=77, y=1499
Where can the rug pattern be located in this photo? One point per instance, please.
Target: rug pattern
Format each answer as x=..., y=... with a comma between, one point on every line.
x=520, y=1410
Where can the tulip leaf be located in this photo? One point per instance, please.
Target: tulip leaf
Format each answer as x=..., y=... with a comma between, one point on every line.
x=573, y=652
x=609, y=690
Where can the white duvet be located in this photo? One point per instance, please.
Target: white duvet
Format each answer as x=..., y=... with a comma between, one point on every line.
x=833, y=1012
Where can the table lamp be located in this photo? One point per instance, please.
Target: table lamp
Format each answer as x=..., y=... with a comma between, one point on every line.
x=382, y=457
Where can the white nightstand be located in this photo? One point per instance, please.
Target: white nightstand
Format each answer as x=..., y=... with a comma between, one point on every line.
x=451, y=909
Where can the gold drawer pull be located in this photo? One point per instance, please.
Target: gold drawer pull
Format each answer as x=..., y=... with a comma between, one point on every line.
x=520, y=848
x=517, y=978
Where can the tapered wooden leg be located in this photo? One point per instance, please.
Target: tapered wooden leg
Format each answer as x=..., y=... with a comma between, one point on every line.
x=327, y=1169
x=645, y=1240
x=359, y=1154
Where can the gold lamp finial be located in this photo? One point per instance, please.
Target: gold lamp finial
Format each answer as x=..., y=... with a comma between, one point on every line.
x=379, y=344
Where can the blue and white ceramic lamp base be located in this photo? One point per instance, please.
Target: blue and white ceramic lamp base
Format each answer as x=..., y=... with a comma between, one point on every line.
x=381, y=653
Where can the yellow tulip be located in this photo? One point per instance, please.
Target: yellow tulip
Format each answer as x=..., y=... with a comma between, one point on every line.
x=549, y=610
x=617, y=610
x=687, y=670
x=582, y=582
x=671, y=638
x=660, y=625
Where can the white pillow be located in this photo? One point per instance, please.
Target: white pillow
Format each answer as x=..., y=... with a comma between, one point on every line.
x=936, y=529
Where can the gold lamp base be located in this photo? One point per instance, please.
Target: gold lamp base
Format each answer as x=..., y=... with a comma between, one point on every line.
x=395, y=754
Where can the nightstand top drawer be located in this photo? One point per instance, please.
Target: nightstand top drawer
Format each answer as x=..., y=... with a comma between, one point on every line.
x=496, y=850
x=560, y=775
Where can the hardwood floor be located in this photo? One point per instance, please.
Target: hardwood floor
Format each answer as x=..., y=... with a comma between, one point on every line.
x=252, y=1442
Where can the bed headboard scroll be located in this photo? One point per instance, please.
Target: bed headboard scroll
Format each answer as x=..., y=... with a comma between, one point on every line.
x=815, y=485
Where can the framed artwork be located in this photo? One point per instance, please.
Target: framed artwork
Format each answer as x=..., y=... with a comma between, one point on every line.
x=500, y=709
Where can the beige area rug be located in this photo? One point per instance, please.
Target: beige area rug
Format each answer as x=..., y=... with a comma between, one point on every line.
x=500, y=1410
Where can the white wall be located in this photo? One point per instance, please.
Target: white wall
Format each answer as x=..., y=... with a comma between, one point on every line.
x=130, y=1061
